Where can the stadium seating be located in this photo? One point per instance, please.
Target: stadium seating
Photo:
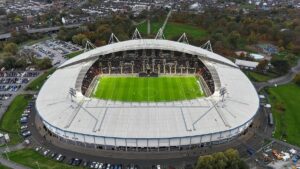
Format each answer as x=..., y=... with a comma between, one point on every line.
x=147, y=63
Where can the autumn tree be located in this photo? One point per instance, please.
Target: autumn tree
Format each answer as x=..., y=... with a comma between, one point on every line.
x=11, y=48
x=79, y=39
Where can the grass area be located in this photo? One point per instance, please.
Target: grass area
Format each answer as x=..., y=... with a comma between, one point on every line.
x=29, y=158
x=289, y=56
x=71, y=55
x=148, y=88
x=4, y=167
x=37, y=83
x=285, y=107
x=9, y=121
x=259, y=77
x=173, y=30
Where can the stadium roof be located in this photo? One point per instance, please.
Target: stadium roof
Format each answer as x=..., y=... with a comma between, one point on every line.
x=148, y=44
x=115, y=119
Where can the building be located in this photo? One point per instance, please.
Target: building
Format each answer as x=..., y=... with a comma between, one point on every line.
x=245, y=64
x=228, y=109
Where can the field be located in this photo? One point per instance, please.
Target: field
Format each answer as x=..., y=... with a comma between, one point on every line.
x=285, y=101
x=173, y=30
x=152, y=89
x=259, y=77
x=9, y=121
x=30, y=158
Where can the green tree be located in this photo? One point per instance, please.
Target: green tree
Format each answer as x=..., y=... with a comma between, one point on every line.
x=234, y=39
x=220, y=160
x=233, y=159
x=281, y=66
x=252, y=38
x=43, y=64
x=9, y=63
x=229, y=159
x=205, y=162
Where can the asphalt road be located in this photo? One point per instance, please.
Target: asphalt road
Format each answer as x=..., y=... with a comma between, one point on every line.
x=280, y=80
x=41, y=30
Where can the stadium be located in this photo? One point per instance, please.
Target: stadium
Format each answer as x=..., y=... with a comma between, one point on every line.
x=147, y=95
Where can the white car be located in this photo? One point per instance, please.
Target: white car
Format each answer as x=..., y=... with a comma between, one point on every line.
x=38, y=148
x=46, y=152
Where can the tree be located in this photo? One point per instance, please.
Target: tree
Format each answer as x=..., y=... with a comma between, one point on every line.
x=11, y=48
x=234, y=38
x=43, y=64
x=9, y=63
x=262, y=65
x=229, y=159
x=297, y=79
x=281, y=66
x=205, y=162
x=220, y=160
x=252, y=38
x=78, y=39
x=233, y=159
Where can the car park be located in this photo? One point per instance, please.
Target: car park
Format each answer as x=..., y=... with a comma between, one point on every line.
x=54, y=50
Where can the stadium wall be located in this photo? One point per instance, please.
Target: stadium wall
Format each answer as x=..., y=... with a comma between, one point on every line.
x=148, y=143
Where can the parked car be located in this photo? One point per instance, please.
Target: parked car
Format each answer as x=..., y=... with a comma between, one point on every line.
x=60, y=157
x=24, y=127
x=26, y=133
x=46, y=152
x=38, y=148
x=53, y=155
x=77, y=162
x=23, y=119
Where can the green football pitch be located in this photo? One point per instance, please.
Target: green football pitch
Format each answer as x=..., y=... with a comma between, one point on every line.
x=150, y=89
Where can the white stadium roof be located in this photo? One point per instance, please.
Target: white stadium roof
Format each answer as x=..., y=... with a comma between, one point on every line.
x=149, y=44
x=90, y=120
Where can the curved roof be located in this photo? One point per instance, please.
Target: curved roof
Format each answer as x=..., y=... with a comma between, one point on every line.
x=117, y=119
x=148, y=44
